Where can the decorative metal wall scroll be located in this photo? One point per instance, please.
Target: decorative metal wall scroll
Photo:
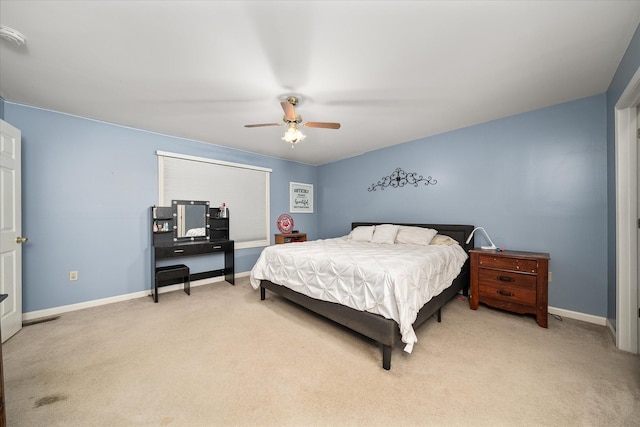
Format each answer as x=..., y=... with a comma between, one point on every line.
x=400, y=178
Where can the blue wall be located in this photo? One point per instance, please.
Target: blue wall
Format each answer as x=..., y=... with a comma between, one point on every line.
x=87, y=187
x=535, y=181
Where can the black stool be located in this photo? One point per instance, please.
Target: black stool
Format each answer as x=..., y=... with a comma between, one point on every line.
x=168, y=275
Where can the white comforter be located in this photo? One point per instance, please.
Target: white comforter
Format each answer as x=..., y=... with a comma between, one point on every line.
x=394, y=281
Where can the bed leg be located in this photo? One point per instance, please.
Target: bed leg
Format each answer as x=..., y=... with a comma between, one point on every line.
x=439, y=315
x=262, y=293
x=386, y=357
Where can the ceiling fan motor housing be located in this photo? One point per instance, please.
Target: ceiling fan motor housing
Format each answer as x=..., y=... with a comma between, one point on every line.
x=298, y=119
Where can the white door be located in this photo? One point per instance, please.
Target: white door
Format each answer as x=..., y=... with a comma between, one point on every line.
x=638, y=219
x=10, y=230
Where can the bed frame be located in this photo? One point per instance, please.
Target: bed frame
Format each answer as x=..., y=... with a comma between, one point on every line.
x=380, y=329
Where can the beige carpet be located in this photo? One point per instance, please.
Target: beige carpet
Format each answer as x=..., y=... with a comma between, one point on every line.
x=223, y=357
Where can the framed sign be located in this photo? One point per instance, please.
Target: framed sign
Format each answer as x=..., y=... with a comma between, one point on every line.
x=300, y=197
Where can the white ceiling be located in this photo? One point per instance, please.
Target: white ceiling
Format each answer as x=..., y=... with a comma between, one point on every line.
x=388, y=71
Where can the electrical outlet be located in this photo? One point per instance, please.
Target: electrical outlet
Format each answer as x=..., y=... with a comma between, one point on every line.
x=549, y=277
x=73, y=275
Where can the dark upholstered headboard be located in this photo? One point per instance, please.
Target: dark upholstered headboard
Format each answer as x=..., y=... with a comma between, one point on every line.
x=458, y=232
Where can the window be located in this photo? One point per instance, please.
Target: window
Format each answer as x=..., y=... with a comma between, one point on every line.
x=244, y=189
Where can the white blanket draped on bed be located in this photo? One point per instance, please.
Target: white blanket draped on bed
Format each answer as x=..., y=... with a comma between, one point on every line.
x=394, y=281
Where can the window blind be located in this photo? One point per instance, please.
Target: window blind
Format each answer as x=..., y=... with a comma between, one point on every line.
x=244, y=189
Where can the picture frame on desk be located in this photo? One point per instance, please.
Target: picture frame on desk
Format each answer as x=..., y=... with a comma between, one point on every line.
x=300, y=197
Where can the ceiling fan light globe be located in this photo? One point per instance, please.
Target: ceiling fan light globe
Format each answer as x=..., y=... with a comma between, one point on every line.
x=293, y=135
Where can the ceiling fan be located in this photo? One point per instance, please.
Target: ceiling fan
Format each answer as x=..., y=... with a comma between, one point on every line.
x=291, y=119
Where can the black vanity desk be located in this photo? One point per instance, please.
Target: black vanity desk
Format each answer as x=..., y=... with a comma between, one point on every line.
x=178, y=250
x=197, y=248
x=164, y=246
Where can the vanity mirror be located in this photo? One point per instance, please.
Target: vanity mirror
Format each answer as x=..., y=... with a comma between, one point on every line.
x=191, y=220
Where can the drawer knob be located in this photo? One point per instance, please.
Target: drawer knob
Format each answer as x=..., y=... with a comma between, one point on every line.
x=506, y=279
x=506, y=294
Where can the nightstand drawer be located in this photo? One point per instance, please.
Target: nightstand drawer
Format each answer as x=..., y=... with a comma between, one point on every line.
x=502, y=293
x=507, y=279
x=508, y=263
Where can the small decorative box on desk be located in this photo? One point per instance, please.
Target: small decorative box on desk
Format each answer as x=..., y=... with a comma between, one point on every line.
x=290, y=238
x=511, y=280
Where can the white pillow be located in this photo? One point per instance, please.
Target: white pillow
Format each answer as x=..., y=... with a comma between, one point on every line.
x=415, y=235
x=363, y=233
x=385, y=233
x=441, y=239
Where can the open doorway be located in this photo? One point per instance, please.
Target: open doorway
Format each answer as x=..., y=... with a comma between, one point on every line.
x=627, y=214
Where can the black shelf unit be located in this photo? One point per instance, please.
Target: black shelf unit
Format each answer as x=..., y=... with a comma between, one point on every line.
x=162, y=225
x=218, y=227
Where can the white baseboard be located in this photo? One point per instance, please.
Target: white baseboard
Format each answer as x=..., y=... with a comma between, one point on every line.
x=589, y=318
x=55, y=311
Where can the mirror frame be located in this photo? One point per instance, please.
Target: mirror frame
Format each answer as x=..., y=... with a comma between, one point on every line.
x=174, y=206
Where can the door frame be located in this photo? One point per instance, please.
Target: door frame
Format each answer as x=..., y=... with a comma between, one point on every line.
x=626, y=172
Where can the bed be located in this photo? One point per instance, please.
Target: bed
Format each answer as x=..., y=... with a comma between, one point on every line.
x=309, y=273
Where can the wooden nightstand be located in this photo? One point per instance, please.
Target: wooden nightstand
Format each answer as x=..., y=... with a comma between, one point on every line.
x=290, y=238
x=511, y=280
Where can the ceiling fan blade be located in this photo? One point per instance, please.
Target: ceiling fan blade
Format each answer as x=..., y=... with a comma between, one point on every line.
x=263, y=124
x=289, y=111
x=322, y=125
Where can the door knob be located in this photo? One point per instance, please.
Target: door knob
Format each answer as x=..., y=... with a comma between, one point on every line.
x=21, y=239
